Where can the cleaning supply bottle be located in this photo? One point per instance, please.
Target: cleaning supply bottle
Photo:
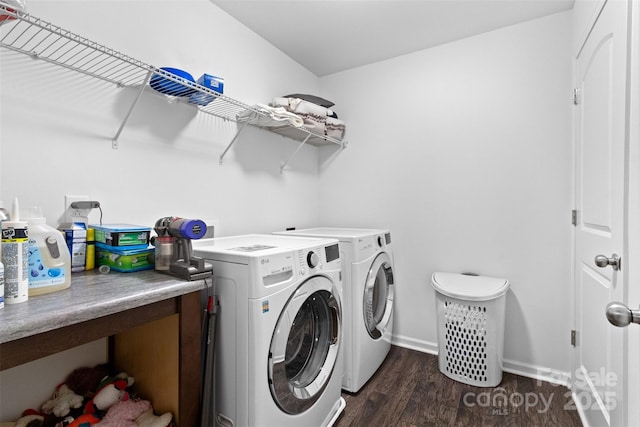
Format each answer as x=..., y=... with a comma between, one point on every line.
x=49, y=258
x=4, y=215
x=15, y=257
x=90, y=261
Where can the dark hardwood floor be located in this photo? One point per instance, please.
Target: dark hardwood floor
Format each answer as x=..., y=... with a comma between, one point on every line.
x=409, y=390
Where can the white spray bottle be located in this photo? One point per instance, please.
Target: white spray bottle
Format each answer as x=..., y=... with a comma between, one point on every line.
x=15, y=257
x=4, y=215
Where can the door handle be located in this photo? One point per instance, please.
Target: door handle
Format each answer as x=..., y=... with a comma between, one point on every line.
x=615, y=261
x=618, y=314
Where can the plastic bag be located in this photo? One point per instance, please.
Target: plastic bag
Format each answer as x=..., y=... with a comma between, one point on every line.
x=11, y=6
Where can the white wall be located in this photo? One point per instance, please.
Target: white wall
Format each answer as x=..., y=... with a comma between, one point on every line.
x=464, y=151
x=57, y=126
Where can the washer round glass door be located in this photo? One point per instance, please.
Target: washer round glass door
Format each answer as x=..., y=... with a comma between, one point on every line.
x=304, y=346
x=378, y=296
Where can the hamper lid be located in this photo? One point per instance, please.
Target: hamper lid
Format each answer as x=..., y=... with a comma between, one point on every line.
x=467, y=287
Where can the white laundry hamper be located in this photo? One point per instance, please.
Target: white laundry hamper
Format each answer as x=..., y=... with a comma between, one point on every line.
x=470, y=318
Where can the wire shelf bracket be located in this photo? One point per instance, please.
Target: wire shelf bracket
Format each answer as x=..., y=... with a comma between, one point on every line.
x=235, y=137
x=285, y=163
x=114, y=142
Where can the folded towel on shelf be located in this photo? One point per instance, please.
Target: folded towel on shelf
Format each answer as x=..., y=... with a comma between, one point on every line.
x=334, y=128
x=297, y=113
x=314, y=116
x=267, y=116
x=300, y=106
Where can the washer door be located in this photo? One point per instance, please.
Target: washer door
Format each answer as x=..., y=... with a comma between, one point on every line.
x=378, y=296
x=304, y=346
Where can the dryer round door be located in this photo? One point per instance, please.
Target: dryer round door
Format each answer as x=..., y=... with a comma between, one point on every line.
x=378, y=296
x=304, y=346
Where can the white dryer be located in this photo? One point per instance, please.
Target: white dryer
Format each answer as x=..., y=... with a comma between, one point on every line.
x=279, y=327
x=368, y=293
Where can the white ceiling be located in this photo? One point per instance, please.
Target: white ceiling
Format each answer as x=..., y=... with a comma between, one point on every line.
x=327, y=36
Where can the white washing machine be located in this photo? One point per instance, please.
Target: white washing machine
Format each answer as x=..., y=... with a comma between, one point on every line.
x=279, y=329
x=368, y=292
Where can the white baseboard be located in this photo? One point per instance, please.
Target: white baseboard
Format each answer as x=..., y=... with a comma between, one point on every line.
x=414, y=344
x=514, y=367
x=536, y=372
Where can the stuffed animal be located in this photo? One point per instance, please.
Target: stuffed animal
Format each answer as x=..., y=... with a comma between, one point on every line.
x=124, y=413
x=26, y=421
x=84, y=381
x=84, y=420
x=110, y=391
x=47, y=420
x=134, y=413
x=62, y=401
x=149, y=419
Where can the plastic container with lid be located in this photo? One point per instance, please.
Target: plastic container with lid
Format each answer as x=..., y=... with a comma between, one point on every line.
x=469, y=286
x=125, y=259
x=470, y=318
x=49, y=257
x=123, y=236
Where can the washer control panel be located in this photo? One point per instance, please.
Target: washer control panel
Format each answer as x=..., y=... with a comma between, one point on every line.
x=316, y=258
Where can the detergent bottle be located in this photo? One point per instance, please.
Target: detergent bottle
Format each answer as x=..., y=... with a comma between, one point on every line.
x=49, y=258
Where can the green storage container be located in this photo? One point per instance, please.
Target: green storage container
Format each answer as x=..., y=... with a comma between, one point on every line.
x=122, y=235
x=125, y=260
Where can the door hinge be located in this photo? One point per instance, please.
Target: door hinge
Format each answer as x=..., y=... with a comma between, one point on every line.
x=574, y=217
x=576, y=96
x=573, y=337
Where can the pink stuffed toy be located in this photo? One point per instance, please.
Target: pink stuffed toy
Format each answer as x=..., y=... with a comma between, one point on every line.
x=134, y=413
x=124, y=413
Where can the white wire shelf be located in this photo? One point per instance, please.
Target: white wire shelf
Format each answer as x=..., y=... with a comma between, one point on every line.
x=39, y=39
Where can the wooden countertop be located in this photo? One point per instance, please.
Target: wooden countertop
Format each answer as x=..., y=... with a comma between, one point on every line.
x=90, y=296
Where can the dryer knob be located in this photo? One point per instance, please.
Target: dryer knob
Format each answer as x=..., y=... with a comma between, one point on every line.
x=312, y=259
x=380, y=242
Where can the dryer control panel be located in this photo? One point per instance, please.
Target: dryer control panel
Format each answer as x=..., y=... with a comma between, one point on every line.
x=371, y=245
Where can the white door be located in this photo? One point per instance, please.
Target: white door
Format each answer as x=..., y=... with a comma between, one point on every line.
x=599, y=375
x=632, y=270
